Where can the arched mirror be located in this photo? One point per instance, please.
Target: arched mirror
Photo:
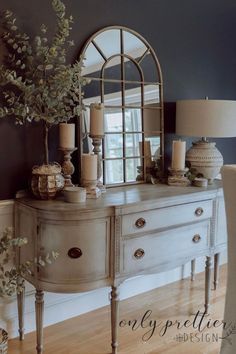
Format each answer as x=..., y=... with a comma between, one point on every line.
x=125, y=76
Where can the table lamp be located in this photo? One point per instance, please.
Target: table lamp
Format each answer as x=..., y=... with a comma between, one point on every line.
x=205, y=118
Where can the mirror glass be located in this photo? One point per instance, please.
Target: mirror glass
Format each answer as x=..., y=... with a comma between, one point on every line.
x=124, y=74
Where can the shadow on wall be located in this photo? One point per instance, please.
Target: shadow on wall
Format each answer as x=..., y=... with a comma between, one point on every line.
x=21, y=147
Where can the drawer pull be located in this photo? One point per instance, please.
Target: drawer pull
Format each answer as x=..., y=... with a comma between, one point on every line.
x=140, y=223
x=75, y=252
x=139, y=253
x=198, y=211
x=196, y=238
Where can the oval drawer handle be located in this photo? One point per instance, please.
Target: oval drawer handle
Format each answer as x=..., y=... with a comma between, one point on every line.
x=141, y=222
x=196, y=238
x=199, y=211
x=139, y=253
x=75, y=252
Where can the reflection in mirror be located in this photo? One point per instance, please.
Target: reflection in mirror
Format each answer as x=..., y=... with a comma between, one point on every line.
x=131, y=72
x=93, y=61
x=112, y=94
x=114, y=171
x=108, y=42
x=132, y=144
x=112, y=69
x=113, y=145
x=133, y=120
x=133, y=95
x=150, y=75
x=152, y=119
x=92, y=92
x=152, y=94
x=132, y=168
x=133, y=46
x=126, y=77
x=113, y=120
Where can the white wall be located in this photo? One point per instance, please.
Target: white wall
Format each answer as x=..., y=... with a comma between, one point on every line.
x=59, y=307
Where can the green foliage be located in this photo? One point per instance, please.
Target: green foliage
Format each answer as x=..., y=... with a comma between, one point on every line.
x=10, y=276
x=38, y=84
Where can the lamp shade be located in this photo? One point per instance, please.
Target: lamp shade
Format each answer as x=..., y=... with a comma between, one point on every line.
x=206, y=118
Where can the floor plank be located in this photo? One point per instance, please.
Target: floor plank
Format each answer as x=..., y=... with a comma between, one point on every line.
x=179, y=301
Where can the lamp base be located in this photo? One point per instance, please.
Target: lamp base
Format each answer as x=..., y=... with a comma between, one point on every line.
x=204, y=159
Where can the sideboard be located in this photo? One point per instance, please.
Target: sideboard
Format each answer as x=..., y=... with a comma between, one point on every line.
x=128, y=231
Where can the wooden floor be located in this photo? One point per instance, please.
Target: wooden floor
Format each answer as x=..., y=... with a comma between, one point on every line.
x=90, y=333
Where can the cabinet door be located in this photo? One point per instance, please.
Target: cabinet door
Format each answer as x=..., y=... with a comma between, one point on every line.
x=83, y=248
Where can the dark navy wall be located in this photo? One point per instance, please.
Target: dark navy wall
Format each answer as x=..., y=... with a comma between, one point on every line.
x=195, y=44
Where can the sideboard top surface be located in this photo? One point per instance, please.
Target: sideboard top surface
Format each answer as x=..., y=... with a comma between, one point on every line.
x=128, y=199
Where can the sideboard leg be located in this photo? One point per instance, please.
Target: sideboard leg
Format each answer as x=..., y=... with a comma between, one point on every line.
x=114, y=319
x=193, y=266
x=216, y=269
x=39, y=307
x=21, y=306
x=207, y=283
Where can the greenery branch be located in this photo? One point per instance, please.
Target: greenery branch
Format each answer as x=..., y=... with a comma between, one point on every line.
x=11, y=275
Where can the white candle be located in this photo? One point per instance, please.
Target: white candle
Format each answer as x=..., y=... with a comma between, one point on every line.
x=67, y=135
x=96, y=119
x=89, y=167
x=178, y=155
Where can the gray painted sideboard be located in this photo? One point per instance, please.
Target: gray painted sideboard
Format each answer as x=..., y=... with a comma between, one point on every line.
x=128, y=231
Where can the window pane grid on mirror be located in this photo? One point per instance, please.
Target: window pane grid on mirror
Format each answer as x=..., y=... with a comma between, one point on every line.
x=91, y=78
x=127, y=91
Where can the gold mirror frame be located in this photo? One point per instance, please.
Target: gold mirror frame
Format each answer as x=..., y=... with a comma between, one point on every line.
x=100, y=80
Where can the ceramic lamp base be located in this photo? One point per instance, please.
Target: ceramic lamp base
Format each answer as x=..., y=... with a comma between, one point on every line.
x=204, y=160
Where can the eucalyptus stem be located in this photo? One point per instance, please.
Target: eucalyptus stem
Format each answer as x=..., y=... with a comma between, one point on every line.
x=46, y=143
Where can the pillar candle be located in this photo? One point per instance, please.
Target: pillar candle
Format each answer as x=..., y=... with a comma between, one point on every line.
x=96, y=119
x=89, y=167
x=67, y=135
x=178, y=155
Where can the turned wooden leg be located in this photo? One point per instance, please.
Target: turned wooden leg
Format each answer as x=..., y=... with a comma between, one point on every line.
x=216, y=269
x=207, y=283
x=193, y=267
x=21, y=306
x=114, y=319
x=39, y=307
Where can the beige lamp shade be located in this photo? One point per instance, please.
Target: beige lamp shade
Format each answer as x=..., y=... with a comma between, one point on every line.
x=206, y=118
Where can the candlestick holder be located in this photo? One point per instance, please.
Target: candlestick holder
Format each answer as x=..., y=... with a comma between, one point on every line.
x=178, y=177
x=92, y=191
x=97, y=142
x=67, y=166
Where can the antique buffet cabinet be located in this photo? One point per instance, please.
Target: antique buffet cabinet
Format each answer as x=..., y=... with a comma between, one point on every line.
x=129, y=231
x=134, y=228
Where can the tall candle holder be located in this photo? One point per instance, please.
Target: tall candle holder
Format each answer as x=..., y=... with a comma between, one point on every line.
x=97, y=142
x=67, y=166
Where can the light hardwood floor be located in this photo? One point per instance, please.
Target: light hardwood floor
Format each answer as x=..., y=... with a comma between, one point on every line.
x=90, y=333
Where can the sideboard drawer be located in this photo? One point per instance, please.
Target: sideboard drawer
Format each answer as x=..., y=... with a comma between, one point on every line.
x=83, y=248
x=147, y=251
x=166, y=217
